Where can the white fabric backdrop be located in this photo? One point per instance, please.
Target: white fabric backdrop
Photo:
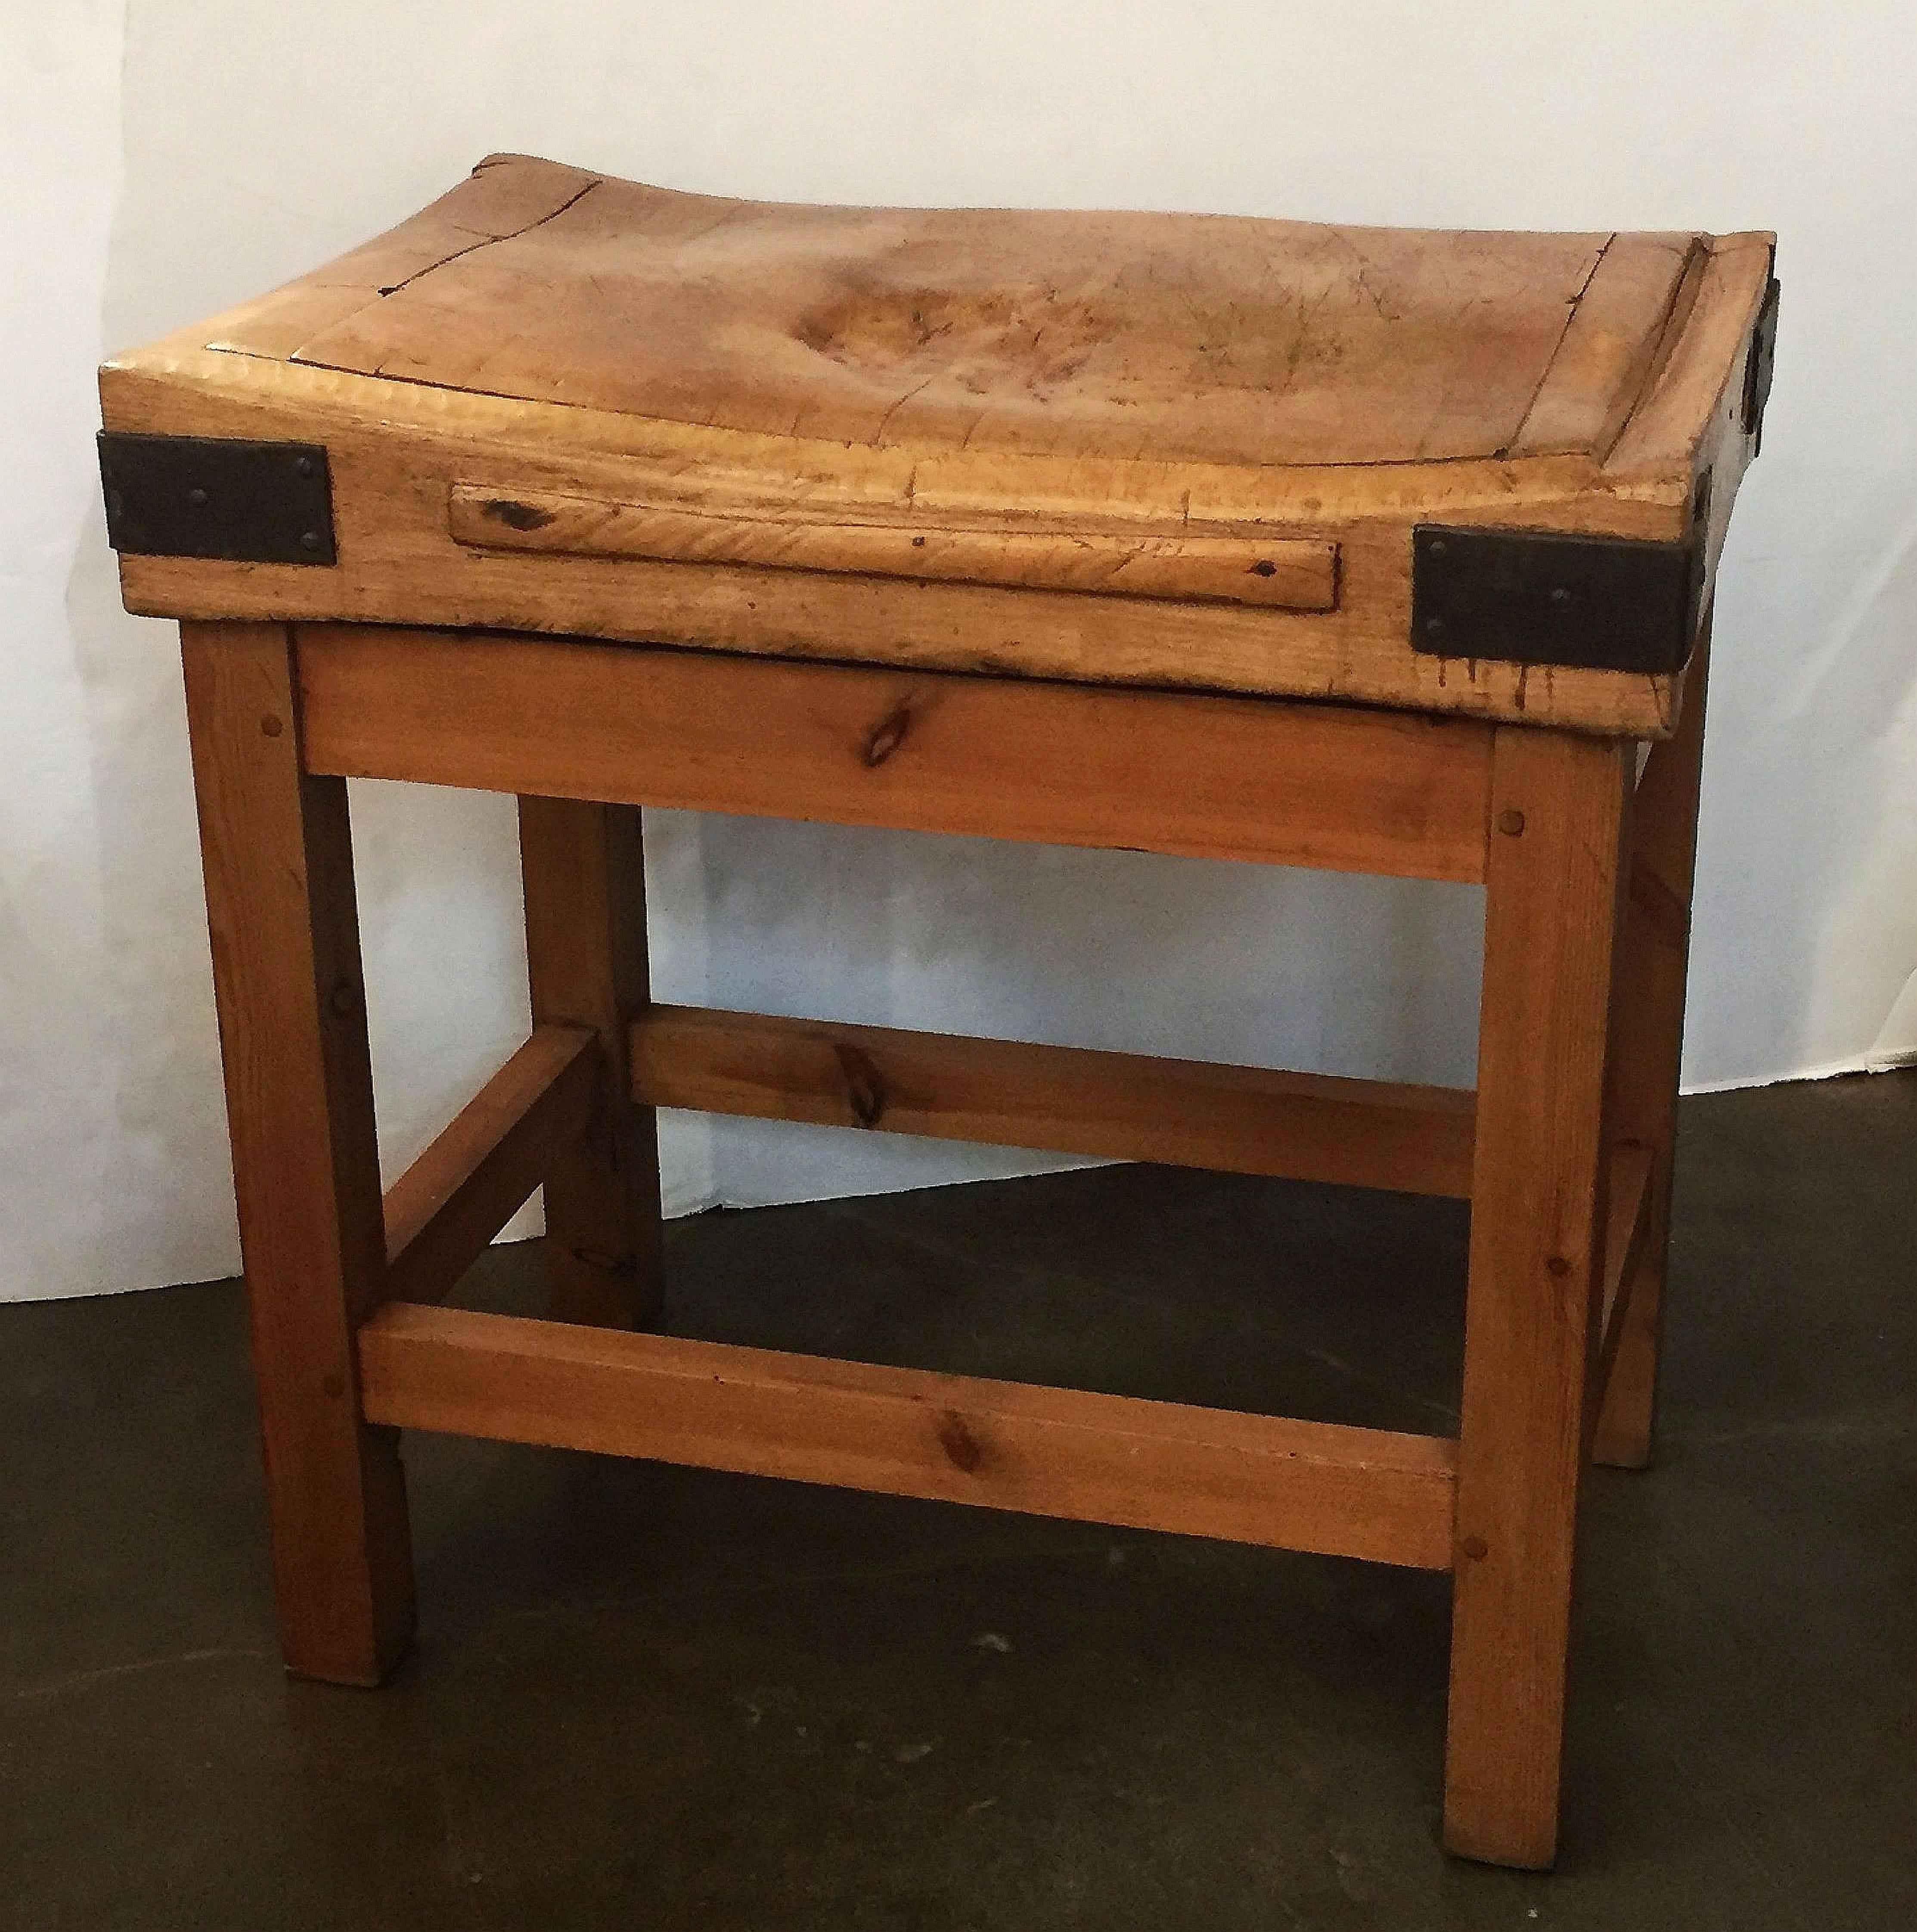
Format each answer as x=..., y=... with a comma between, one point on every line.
x=168, y=158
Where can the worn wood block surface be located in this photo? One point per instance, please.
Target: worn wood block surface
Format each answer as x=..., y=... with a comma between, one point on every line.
x=1129, y=448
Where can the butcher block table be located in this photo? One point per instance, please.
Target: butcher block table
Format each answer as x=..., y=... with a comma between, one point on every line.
x=1370, y=549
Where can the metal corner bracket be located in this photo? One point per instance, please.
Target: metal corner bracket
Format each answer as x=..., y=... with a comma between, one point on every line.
x=226, y=499
x=1542, y=597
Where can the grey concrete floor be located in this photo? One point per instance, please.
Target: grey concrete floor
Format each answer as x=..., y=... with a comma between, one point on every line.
x=652, y=1697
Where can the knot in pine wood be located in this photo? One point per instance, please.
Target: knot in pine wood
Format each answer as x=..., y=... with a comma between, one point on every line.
x=963, y=1449
x=516, y=515
x=865, y=1085
x=888, y=734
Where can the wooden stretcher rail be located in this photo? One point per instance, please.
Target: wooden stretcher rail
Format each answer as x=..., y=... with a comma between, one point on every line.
x=903, y=1432
x=1121, y=1106
x=443, y=1210
x=1007, y=757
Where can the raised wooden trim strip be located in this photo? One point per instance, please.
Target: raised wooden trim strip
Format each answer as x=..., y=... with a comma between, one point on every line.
x=907, y=1432
x=1222, y=777
x=1123, y=1106
x=1279, y=573
x=444, y=1209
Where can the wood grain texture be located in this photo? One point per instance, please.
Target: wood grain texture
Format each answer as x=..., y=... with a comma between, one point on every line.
x=1628, y=1200
x=1006, y=757
x=1622, y=318
x=583, y=867
x=790, y=437
x=502, y=197
x=905, y=1432
x=463, y=1189
x=1551, y=904
x=1121, y=1106
x=1215, y=338
x=1289, y=574
x=277, y=857
x=1700, y=364
x=1649, y=1024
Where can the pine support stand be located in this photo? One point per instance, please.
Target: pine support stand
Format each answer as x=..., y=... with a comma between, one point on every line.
x=654, y=599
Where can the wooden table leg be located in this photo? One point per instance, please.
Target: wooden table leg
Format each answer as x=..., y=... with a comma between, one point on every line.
x=1552, y=903
x=585, y=878
x=277, y=855
x=1648, y=1028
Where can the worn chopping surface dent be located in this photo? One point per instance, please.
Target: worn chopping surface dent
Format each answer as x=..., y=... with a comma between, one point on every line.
x=1217, y=339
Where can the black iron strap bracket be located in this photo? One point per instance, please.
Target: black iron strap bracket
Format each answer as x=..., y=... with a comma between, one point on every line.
x=1543, y=597
x=223, y=498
